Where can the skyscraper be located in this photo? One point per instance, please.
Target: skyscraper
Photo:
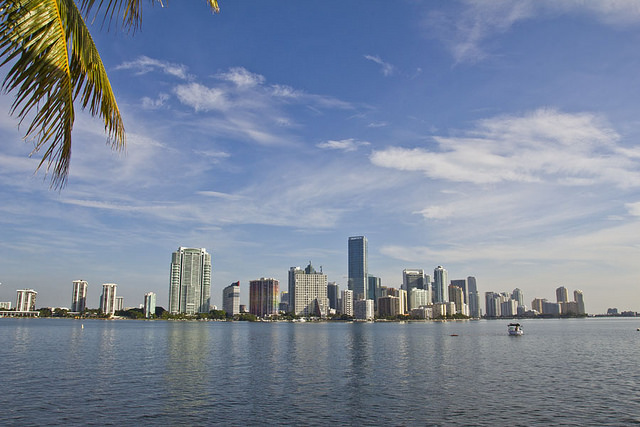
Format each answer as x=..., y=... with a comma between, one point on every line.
x=578, y=297
x=413, y=279
x=462, y=284
x=149, y=304
x=440, y=283
x=474, y=297
x=108, y=298
x=518, y=296
x=346, y=302
x=263, y=297
x=307, y=292
x=358, y=272
x=333, y=294
x=190, y=282
x=373, y=292
x=79, y=296
x=231, y=299
x=26, y=300
x=562, y=294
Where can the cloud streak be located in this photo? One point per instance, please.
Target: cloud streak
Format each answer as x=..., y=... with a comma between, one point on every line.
x=542, y=146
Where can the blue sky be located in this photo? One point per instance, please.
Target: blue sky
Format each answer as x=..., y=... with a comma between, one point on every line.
x=498, y=139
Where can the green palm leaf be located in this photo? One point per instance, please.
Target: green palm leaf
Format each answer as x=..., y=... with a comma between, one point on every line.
x=53, y=61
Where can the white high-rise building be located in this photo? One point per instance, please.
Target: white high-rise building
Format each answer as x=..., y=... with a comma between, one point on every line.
x=149, y=304
x=440, y=284
x=79, y=296
x=346, y=302
x=108, y=298
x=418, y=298
x=26, y=300
x=308, y=292
x=190, y=282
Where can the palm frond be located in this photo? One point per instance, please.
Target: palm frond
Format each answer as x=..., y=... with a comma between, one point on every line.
x=127, y=10
x=53, y=61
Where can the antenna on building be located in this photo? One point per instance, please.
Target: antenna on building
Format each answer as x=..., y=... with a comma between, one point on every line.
x=320, y=269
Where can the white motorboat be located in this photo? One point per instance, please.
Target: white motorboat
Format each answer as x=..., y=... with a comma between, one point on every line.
x=515, y=329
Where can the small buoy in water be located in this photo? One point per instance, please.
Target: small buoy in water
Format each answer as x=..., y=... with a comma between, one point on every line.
x=454, y=335
x=82, y=326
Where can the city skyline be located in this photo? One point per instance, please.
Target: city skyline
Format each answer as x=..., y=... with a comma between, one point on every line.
x=498, y=139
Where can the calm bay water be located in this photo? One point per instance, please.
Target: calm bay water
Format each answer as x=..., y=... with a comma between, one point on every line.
x=561, y=372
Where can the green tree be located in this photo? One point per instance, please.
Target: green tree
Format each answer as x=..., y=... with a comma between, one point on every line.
x=53, y=61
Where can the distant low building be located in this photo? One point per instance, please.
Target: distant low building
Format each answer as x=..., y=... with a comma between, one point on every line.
x=5, y=305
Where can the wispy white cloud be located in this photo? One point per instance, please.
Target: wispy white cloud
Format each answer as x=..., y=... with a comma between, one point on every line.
x=466, y=29
x=202, y=98
x=349, y=144
x=154, y=104
x=386, y=68
x=241, y=77
x=542, y=146
x=144, y=65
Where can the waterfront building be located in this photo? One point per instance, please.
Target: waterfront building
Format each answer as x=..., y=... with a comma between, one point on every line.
x=190, y=282
x=79, y=296
x=346, y=302
x=108, y=298
x=418, y=298
x=363, y=309
x=358, y=272
x=415, y=279
x=231, y=299
x=492, y=304
x=402, y=294
x=462, y=284
x=440, y=283
x=26, y=300
x=119, y=303
x=456, y=295
x=422, y=312
x=537, y=304
x=569, y=308
x=373, y=292
x=263, y=297
x=578, y=297
x=284, y=302
x=149, y=304
x=333, y=294
x=551, y=308
x=308, y=292
x=474, y=297
x=562, y=294
x=518, y=296
x=439, y=310
x=509, y=308
x=5, y=305
x=388, y=306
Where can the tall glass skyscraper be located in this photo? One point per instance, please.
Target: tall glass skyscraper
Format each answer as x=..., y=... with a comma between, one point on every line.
x=190, y=282
x=358, y=276
x=440, y=285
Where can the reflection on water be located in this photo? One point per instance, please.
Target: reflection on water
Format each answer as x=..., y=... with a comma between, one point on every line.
x=203, y=373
